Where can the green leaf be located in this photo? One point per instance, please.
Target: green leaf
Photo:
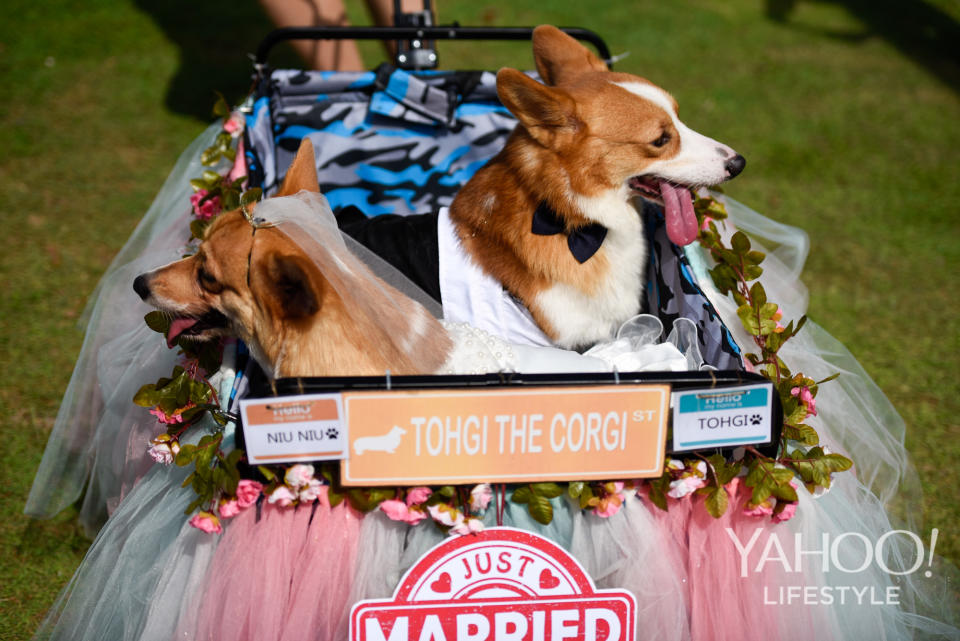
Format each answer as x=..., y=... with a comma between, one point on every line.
x=220, y=108
x=267, y=473
x=716, y=502
x=575, y=488
x=209, y=156
x=251, y=195
x=522, y=494
x=547, y=490
x=785, y=492
x=752, y=272
x=758, y=295
x=186, y=454
x=802, y=433
x=158, y=322
x=837, y=462
x=197, y=227
x=586, y=496
x=749, y=319
x=147, y=396
x=740, y=243
x=199, y=183
x=540, y=509
x=658, y=491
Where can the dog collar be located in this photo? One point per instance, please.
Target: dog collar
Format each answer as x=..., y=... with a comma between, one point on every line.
x=582, y=241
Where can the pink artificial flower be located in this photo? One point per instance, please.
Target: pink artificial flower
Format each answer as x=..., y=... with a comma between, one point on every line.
x=312, y=491
x=776, y=317
x=248, y=492
x=608, y=506
x=445, y=515
x=806, y=399
x=684, y=486
x=705, y=226
x=282, y=496
x=397, y=510
x=787, y=513
x=168, y=419
x=239, y=166
x=208, y=208
x=298, y=475
x=207, y=522
x=480, y=497
x=163, y=449
x=469, y=526
x=417, y=495
x=229, y=509
x=234, y=124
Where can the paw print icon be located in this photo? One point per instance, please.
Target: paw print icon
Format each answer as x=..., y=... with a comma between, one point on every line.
x=332, y=432
x=756, y=419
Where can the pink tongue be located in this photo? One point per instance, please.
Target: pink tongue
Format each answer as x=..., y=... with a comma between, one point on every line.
x=177, y=327
x=681, y=221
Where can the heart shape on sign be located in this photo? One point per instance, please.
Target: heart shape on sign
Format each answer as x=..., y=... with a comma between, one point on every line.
x=442, y=584
x=548, y=580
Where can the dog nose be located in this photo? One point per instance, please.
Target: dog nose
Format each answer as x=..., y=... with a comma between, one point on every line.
x=735, y=165
x=141, y=287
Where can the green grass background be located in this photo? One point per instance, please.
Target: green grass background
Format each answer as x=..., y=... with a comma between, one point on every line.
x=847, y=112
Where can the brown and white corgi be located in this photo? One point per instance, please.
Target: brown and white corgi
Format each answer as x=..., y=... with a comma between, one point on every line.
x=298, y=318
x=588, y=143
x=545, y=244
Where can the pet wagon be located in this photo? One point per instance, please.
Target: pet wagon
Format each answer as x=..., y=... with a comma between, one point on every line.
x=400, y=141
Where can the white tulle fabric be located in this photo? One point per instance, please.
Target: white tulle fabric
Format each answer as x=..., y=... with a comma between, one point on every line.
x=99, y=439
x=293, y=574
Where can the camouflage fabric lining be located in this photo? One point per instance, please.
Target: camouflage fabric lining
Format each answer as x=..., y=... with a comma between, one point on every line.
x=389, y=141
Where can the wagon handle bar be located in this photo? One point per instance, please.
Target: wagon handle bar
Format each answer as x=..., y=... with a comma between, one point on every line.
x=449, y=32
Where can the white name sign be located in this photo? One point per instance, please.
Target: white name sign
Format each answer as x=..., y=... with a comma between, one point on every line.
x=725, y=417
x=294, y=428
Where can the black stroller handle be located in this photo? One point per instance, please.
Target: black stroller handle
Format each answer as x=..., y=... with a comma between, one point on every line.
x=450, y=32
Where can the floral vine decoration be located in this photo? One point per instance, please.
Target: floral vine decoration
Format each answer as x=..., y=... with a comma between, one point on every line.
x=772, y=480
x=225, y=484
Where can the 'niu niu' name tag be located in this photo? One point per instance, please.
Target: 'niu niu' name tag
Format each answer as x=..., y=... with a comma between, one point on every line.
x=294, y=428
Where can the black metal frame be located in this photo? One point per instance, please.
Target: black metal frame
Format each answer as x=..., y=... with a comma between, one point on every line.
x=444, y=32
x=678, y=380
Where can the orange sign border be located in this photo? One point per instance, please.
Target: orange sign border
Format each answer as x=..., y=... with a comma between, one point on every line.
x=655, y=470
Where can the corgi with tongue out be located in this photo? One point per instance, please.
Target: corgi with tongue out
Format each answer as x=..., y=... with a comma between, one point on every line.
x=554, y=217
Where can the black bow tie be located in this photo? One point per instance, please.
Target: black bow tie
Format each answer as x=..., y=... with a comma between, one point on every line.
x=582, y=241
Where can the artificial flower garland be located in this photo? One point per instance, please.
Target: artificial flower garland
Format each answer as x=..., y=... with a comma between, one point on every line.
x=220, y=479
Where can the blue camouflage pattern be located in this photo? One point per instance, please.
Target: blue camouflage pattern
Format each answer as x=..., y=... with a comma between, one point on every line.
x=396, y=142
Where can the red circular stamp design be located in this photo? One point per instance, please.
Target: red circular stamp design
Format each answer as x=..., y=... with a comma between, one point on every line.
x=502, y=584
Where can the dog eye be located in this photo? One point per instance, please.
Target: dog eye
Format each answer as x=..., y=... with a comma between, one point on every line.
x=662, y=140
x=207, y=281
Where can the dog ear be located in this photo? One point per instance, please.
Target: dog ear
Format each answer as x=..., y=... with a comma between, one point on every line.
x=285, y=285
x=302, y=174
x=560, y=58
x=546, y=113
